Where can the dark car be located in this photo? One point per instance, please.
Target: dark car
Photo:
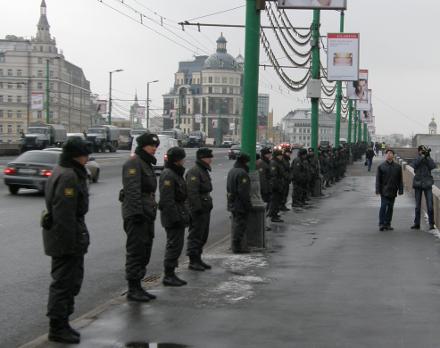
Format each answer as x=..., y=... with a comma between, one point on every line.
x=30, y=170
x=234, y=152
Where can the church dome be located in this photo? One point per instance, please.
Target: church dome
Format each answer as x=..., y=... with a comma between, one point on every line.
x=221, y=59
x=433, y=124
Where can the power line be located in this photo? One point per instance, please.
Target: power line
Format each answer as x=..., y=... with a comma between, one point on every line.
x=216, y=13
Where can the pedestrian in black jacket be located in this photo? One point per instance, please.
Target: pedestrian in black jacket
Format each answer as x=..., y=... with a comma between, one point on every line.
x=389, y=182
x=238, y=187
x=277, y=173
x=369, y=155
x=422, y=183
x=199, y=187
x=139, y=209
x=65, y=236
x=174, y=212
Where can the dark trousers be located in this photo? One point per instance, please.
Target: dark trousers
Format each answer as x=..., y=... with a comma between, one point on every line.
x=198, y=233
x=239, y=222
x=276, y=202
x=285, y=193
x=174, y=246
x=369, y=163
x=386, y=210
x=138, y=248
x=67, y=277
x=429, y=205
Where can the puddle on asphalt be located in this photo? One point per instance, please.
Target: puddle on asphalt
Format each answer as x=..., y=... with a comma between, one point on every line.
x=153, y=345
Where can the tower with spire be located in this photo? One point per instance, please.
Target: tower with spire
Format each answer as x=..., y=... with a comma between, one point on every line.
x=43, y=41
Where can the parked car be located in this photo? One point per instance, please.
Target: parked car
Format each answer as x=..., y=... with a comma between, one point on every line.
x=234, y=152
x=30, y=170
x=92, y=167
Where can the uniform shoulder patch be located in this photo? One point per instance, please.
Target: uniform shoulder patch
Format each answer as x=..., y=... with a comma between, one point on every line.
x=274, y=168
x=193, y=178
x=167, y=183
x=69, y=192
x=244, y=180
x=132, y=171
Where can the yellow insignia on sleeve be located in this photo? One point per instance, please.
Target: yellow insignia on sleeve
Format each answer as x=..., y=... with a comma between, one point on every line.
x=261, y=169
x=167, y=183
x=244, y=181
x=69, y=192
x=274, y=168
x=132, y=171
x=193, y=178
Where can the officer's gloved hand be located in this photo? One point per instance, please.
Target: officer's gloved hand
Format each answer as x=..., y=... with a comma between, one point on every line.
x=138, y=219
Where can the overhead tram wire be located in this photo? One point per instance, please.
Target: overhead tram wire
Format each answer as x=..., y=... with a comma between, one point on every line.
x=286, y=25
x=216, y=13
x=147, y=27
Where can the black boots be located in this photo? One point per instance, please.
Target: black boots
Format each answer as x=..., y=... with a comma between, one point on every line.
x=238, y=249
x=170, y=278
x=195, y=263
x=415, y=227
x=205, y=265
x=136, y=293
x=60, y=331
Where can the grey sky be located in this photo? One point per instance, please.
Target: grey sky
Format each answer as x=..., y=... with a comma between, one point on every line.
x=398, y=46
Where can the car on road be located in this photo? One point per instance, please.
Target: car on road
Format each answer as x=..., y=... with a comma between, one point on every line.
x=92, y=167
x=234, y=151
x=30, y=170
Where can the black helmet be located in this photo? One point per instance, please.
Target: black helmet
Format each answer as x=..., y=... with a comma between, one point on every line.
x=265, y=151
x=302, y=152
x=147, y=139
x=175, y=154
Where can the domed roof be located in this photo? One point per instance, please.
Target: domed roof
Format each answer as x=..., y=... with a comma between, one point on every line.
x=221, y=59
x=433, y=124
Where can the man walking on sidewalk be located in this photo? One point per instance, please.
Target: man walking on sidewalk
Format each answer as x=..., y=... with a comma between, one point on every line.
x=369, y=155
x=389, y=182
x=422, y=183
x=199, y=186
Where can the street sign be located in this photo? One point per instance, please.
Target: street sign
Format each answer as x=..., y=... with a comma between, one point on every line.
x=37, y=99
x=313, y=4
x=343, y=57
x=198, y=118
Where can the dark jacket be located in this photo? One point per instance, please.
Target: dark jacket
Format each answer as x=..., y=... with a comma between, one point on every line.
x=199, y=187
x=300, y=171
x=370, y=154
x=238, y=187
x=422, y=170
x=67, y=201
x=139, y=187
x=173, y=207
x=287, y=172
x=277, y=175
x=263, y=167
x=389, y=179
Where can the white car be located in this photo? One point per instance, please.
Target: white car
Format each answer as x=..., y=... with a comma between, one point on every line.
x=166, y=143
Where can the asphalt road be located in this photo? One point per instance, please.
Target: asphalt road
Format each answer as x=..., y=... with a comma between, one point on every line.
x=25, y=270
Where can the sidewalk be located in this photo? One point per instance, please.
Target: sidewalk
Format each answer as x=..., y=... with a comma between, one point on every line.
x=329, y=279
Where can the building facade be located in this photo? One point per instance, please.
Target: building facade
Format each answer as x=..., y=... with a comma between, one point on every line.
x=297, y=128
x=207, y=95
x=36, y=68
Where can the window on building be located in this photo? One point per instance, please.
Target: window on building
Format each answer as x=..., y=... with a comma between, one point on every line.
x=40, y=73
x=19, y=128
x=231, y=80
x=10, y=72
x=9, y=128
x=40, y=114
x=231, y=90
x=52, y=86
x=40, y=85
x=1, y=72
x=224, y=90
x=210, y=79
x=1, y=129
x=51, y=73
x=210, y=90
x=19, y=114
x=9, y=98
x=1, y=113
x=1, y=84
x=1, y=99
x=2, y=57
x=216, y=79
x=19, y=99
x=9, y=85
x=40, y=60
x=19, y=72
x=9, y=113
x=41, y=48
x=19, y=85
x=224, y=80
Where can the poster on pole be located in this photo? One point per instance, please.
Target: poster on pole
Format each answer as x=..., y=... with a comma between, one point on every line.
x=343, y=57
x=214, y=123
x=37, y=101
x=358, y=90
x=313, y=4
x=101, y=107
x=140, y=112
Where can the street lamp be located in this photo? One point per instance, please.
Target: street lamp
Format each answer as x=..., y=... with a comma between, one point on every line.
x=148, y=101
x=110, y=95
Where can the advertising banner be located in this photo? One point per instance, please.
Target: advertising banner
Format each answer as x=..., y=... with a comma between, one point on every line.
x=37, y=101
x=101, y=107
x=343, y=57
x=314, y=4
x=214, y=123
x=358, y=90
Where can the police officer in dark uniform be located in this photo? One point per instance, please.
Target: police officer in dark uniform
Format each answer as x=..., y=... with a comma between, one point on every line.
x=65, y=236
x=277, y=185
x=300, y=175
x=199, y=187
x=139, y=209
x=263, y=167
x=287, y=152
x=238, y=188
x=174, y=213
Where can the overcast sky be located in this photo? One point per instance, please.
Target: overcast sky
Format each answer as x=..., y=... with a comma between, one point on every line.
x=399, y=45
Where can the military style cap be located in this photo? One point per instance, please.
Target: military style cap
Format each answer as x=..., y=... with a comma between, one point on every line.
x=302, y=152
x=204, y=152
x=148, y=139
x=243, y=157
x=276, y=153
x=175, y=154
x=76, y=147
x=265, y=151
